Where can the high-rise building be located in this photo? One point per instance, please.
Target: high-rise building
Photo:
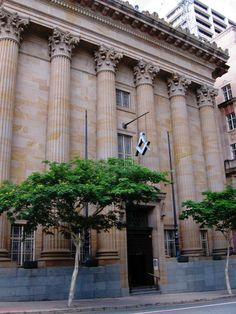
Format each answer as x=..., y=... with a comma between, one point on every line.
x=201, y=20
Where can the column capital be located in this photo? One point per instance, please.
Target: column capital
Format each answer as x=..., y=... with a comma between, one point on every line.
x=61, y=43
x=206, y=95
x=106, y=58
x=11, y=25
x=178, y=85
x=145, y=72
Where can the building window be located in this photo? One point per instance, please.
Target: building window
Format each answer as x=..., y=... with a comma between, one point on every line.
x=227, y=92
x=204, y=242
x=233, y=150
x=170, y=248
x=124, y=146
x=22, y=249
x=122, y=98
x=231, y=121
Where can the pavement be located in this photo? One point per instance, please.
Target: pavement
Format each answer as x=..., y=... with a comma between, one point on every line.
x=110, y=304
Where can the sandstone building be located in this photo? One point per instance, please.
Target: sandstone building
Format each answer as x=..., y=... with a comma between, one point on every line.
x=59, y=58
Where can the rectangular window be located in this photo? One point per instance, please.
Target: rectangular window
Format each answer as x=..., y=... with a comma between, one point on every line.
x=170, y=248
x=122, y=98
x=231, y=121
x=21, y=249
x=204, y=242
x=124, y=146
x=227, y=92
x=233, y=150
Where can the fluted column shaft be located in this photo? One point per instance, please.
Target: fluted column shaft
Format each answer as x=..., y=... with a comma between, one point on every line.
x=144, y=74
x=106, y=59
x=58, y=132
x=11, y=26
x=190, y=239
x=215, y=179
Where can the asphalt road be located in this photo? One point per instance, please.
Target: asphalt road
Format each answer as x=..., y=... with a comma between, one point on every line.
x=227, y=306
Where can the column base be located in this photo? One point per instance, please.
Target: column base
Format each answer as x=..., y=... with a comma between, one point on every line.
x=192, y=252
x=221, y=252
x=107, y=257
x=7, y=263
x=55, y=258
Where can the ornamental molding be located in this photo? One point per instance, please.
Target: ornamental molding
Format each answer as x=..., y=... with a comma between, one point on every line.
x=145, y=72
x=206, y=96
x=177, y=85
x=61, y=43
x=107, y=58
x=11, y=25
x=151, y=24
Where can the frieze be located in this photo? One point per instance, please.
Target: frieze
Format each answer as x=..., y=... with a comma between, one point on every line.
x=11, y=25
x=177, y=85
x=61, y=43
x=144, y=73
x=184, y=43
x=107, y=58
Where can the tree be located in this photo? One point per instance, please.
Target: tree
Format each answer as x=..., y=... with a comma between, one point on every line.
x=58, y=197
x=217, y=210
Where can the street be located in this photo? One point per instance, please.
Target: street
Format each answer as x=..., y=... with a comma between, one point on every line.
x=213, y=307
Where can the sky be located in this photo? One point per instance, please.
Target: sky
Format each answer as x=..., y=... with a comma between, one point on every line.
x=225, y=7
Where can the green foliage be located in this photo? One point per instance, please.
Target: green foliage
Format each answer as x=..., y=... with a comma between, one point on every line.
x=217, y=209
x=58, y=197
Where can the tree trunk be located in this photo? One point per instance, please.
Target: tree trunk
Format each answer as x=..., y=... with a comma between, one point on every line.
x=74, y=275
x=227, y=269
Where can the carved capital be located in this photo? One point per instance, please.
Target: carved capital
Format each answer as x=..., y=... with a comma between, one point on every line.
x=11, y=25
x=144, y=73
x=106, y=58
x=178, y=85
x=61, y=43
x=206, y=95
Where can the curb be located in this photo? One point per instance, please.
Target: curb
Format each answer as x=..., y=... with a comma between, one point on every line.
x=76, y=308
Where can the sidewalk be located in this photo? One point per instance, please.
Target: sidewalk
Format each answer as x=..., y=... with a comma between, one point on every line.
x=130, y=302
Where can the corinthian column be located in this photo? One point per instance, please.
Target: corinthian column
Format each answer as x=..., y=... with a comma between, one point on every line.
x=55, y=247
x=60, y=44
x=106, y=59
x=144, y=74
x=11, y=26
x=190, y=239
x=215, y=178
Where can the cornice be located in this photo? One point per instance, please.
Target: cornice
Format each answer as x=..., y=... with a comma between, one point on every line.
x=155, y=27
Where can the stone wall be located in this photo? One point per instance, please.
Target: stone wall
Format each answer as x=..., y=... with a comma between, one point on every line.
x=202, y=275
x=18, y=284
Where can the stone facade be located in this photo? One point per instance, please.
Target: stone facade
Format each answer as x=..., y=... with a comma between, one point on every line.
x=60, y=58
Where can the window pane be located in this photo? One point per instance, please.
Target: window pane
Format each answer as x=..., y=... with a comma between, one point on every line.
x=21, y=250
x=122, y=98
x=227, y=92
x=124, y=146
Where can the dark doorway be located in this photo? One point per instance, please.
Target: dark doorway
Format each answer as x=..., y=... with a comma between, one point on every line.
x=139, y=245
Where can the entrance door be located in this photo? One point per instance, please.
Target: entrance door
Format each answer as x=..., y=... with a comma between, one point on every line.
x=140, y=258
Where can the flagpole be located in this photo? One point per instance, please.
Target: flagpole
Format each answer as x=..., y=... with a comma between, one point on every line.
x=173, y=199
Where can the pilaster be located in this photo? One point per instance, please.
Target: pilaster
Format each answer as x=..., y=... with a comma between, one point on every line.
x=190, y=238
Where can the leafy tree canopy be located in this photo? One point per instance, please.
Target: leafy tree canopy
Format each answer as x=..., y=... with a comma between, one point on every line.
x=217, y=209
x=58, y=196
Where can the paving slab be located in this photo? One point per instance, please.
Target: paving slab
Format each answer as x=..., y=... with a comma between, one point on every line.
x=90, y=305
